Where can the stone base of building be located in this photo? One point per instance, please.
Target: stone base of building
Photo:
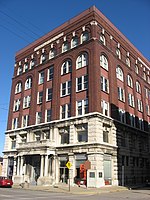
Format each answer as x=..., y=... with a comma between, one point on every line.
x=45, y=181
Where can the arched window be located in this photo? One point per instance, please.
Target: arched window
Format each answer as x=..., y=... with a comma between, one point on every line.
x=104, y=62
x=119, y=73
x=118, y=53
x=128, y=62
x=18, y=87
x=74, y=42
x=32, y=63
x=82, y=60
x=26, y=67
x=65, y=46
x=66, y=67
x=129, y=81
x=84, y=36
x=136, y=69
x=28, y=83
x=103, y=39
x=43, y=58
x=52, y=53
x=20, y=70
x=138, y=87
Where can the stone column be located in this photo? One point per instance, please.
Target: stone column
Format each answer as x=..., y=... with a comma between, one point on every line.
x=42, y=166
x=72, y=169
x=21, y=166
x=46, y=166
x=18, y=166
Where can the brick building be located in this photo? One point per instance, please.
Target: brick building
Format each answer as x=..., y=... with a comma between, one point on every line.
x=81, y=92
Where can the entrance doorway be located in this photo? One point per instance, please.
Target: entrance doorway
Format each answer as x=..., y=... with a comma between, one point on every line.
x=107, y=170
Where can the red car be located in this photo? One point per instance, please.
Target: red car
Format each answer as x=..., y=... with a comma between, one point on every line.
x=5, y=182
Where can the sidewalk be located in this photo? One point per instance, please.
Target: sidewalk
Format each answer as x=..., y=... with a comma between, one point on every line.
x=64, y=188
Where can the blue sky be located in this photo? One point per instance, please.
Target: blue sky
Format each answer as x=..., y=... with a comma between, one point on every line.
x=23, y=21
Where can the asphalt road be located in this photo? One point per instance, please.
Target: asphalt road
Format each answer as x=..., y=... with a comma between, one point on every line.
x=21, y=194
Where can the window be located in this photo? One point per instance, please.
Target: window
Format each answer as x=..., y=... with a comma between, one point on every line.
x=105, y=108
x=132, y=120
x=16, y=105
x=122, y=116
x=43, y=58
x=48, y=115
x=128, y=62
x=20, y=70
x=52, y=53
x=25, y=120
x=65, y=88
x=64, y=135
x=104, y=62
x=26, y=101
x=118, y=53
x=102, y=39
x=121, y=95
x=139, y=105
x=129, y=81
x=131, y=100
x=105, y=136
x=49, y=94
x=82, y=83
x=84, y=37
x=119, y=73
x=65, y=46
x=40, y=97
x=66, y=67
x=141, y=124
x=147, y=109
x=104, y=84
x=26, y=67
x=65, y=111
x=50, y=73
x=13, y=142
x=18, y=88
x=82, y=133
x=82, y=61
x=138, y=87
x=82, y=107
x=41, y=77
x=15, y=123
x=28, y=83
x=74, y=42
x=38, y=117
x=32, y=63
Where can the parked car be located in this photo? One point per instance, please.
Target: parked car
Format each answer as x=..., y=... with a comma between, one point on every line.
x=5, y=182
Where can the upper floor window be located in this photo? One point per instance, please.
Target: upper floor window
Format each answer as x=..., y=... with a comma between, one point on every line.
x=128, y=62
x=48, y=115
x=65, y=88
x=139, y=105
x=102, y=39
x=66, y=67
x=82, y=133
x=81, y=83
x=65, y=111
x=129, y=81
x=28, y=83
x=84, y=36
x=118, y=53
x=74, y=42
x=43, y=58
x=52, y=53
x=65, y=46
x=82, y=60
x=122, y=116
x=26, y=101
x=41, y=77
x=104, y=62
x=82, y=107
x=40, y=97
x=50, y=73
x=18, y=87
x=15, y=123
x=32, y=63
x=25, y=120
x=104, y=84
x=141, y=124
x=121, y=95
x=64, y=136
x=105, y=107
x=136, y=69
x=26, y=67
x=16, y=105
x=38, y=117
x=49, y=94
x=131, y=100
x=13, y=142
x=138, y=87
x=20, y=70
x=132, y=120
x=119, y=73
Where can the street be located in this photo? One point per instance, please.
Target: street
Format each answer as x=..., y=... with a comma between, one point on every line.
x=21, y=194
